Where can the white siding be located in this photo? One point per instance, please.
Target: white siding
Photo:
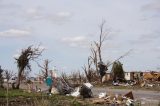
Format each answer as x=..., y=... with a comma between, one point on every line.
x=127, y=76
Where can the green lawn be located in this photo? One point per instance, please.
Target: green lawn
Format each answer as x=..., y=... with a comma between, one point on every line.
x=20, y=97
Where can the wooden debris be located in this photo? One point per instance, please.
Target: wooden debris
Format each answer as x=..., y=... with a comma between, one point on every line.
x=100, y=101
x=129, y=95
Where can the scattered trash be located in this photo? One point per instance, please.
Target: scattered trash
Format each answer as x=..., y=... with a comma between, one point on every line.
x=84, y=91
x=102, y=95
x=39, y=90
x=76, y=93
x=143, y=84
x=88, y=85
x=54, y=90
x=130, y=102
x=150, y=85
x=100, y=101
x=115, y=99
x=115, y=83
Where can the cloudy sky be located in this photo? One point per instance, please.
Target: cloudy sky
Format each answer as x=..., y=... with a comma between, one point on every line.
x=66, y=28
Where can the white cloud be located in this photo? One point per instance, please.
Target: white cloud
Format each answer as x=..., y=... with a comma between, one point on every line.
x=40, y=14
x=74, y=39
x=64, y=14
x=34, y=13
x=60, y=17
x=14, y=33
x=78, y=41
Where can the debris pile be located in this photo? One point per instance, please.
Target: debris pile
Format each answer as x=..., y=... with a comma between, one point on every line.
x=84, y=91
x=126, y=99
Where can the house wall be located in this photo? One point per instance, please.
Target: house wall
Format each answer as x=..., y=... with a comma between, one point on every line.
x=127, y=76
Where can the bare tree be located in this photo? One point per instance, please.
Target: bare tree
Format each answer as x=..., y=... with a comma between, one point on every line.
x=102, y=38
x=87, y=69
x=96, y=55
x=64, y=76
x=96, y=51
x=45, y=68
x=8, y=75
x=80, y=77
x=96, y=48
x=23, y=61
x=94, y=58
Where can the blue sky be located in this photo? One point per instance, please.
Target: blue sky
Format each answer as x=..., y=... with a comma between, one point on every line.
x=66, y=28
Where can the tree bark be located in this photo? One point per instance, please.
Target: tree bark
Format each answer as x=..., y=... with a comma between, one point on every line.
x=19, y=78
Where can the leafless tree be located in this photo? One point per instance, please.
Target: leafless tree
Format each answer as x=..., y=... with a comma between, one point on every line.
x=96, y=48
x=64, y=76
x=94, y=58
x=8, y=75
x=74, y=77
x=87, y=69
x=45, y=68
x=80, y=77
x=102, y=37
x=23, y=61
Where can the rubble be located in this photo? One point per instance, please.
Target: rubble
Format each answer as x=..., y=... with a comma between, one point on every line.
x=89, y=85
x=102, y=95
x=129, y=95
x=76, y=93
x=143, y=84
x=100, y=101
x=85, y=90
x=130, y=102
x=54, y=90
x=115, y=99
x=63, y=88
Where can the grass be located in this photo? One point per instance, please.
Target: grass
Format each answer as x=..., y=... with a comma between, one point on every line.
x=16, y=93
x=19, y=97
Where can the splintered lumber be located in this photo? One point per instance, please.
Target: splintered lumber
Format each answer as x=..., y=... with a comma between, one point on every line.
x=129, y=95
x=100, y=101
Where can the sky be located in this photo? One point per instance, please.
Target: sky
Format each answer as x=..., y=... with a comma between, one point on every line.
x=66, y=29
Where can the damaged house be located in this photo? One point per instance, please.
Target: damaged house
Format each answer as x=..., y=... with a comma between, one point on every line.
x=151, y=76
x=130, y=76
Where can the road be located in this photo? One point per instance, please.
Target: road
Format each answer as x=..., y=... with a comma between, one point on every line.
x=148, y=98
x=155, y=95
